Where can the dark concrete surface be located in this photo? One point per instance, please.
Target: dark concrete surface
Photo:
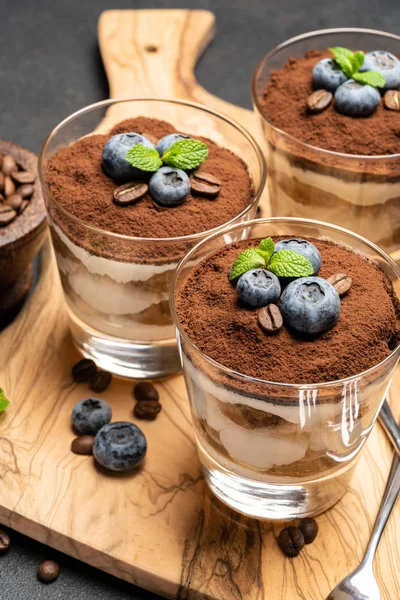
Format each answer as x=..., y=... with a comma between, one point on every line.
x=50, y=66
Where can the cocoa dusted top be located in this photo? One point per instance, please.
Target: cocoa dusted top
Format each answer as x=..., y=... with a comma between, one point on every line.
x=284, y=104
x=220, y=326
x=77, y=181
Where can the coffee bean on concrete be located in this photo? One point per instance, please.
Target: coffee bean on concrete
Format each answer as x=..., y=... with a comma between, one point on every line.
x=83, y=444
x=129, y=193
x=319, y=101
x=391, y=100
x=48, y=571
x=341, y=282
x=147, y=409
x=270, y=318
x=145, y=391
x=309, y=529
x=15, y=201
x=21, y=177
x=9, y=186
x=100, y=381
x=4, y=541
x=291, y=541
x=84, y=370
x=8, y=165
x=7, y=215
x=25, y=190
x=204, y=184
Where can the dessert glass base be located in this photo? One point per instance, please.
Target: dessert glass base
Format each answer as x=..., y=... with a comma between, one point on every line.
x=116, y=286
x=276, y=450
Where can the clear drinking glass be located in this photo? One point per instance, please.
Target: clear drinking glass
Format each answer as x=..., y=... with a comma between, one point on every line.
x=274, y=450
x=358, y=192
x=118, y=309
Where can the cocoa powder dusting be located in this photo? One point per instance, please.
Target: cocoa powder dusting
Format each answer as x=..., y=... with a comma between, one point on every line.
x=284, y=104
x=365, y=334
x=77, y=181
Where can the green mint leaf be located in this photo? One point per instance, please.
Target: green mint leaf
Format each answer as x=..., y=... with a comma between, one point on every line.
x=3, y=401
x=249, y=259
x=345, y=59
x=144, y=158
x=264, y=255
x=372, y=78
x=357, y=61
x=267, y=248
x=288, y=263
x=185, y=154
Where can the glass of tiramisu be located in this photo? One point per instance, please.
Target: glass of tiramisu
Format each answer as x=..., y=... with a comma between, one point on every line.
x=329, y=105
x=289, y=341
x=130, y=186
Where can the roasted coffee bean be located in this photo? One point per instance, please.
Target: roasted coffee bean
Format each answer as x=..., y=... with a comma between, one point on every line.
x=15, y=201
x=7, y=215
x=270, y=318
x=145, y=391
x=4, y=541
x=24, y=205
x=129, y=193
x=147, y=409
x=84, y=370
x=341, y=282
x=1, y=182
x=9, y=186
x=23, y=176
x=48, y=571
x=319, y=101
x=9, y=165
x=391, y=100
x=83, y=444
x=291, y=541
x=309, y=529
x=100, y=381
x=204, y=184
x=25, y=190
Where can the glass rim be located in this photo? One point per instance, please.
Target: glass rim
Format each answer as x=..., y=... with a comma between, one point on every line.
x=304, y=36
x=195, y=105
x=230, y=372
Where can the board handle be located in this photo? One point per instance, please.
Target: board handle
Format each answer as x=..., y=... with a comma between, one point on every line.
x=153, y=52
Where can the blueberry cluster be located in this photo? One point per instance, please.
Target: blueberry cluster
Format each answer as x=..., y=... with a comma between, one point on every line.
x=309, y=305
x=168, y=186
x=351, y=97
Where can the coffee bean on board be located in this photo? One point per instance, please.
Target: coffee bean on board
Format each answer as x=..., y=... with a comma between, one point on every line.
x=24, y=205
x=15, y=201
x=4, y=541
x=204, y=184
x=309, y=529
x=83, y=370
x=129, y=193
x=48, y=571
x=145, y=391
x=9, y=186
x=23, y=177
x=7, y=215
x=341, y=282
x=319, y=101
x=391, y=100
x=291, y=541
x=9, y=165
x=147, y=409
x=25, y=190
x=270, y=318
x=83, y=444
x=100, y=381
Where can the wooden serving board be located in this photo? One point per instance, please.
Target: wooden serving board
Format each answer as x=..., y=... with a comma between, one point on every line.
x=159, y=528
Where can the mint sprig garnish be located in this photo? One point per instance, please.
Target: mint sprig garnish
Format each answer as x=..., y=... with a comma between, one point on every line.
x=185, y=154
x=350, y=63
x=284, y=263
x=3, y=401
x=144, y=158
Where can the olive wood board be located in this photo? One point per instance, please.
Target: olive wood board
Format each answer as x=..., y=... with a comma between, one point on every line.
x=159, y=528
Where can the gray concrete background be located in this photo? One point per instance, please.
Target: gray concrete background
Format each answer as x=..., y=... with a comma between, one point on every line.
x=50, y=66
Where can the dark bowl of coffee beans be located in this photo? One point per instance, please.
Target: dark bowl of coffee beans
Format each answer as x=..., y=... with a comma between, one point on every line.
x=22, y=223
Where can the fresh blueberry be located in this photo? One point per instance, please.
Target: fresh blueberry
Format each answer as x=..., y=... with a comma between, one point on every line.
x=169, y=186
x=88, y=416
x=258, y=287
x=304, y=248
x=166, y=142
x=356, y=100
x=119, y=446
x=327, y=75
x=386, y=64
x=114, y=153
x=310, y=305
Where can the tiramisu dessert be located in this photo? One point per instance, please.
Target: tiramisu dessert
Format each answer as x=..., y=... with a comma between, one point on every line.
x=331, y=119
x=136, y=195
x=272, y=321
